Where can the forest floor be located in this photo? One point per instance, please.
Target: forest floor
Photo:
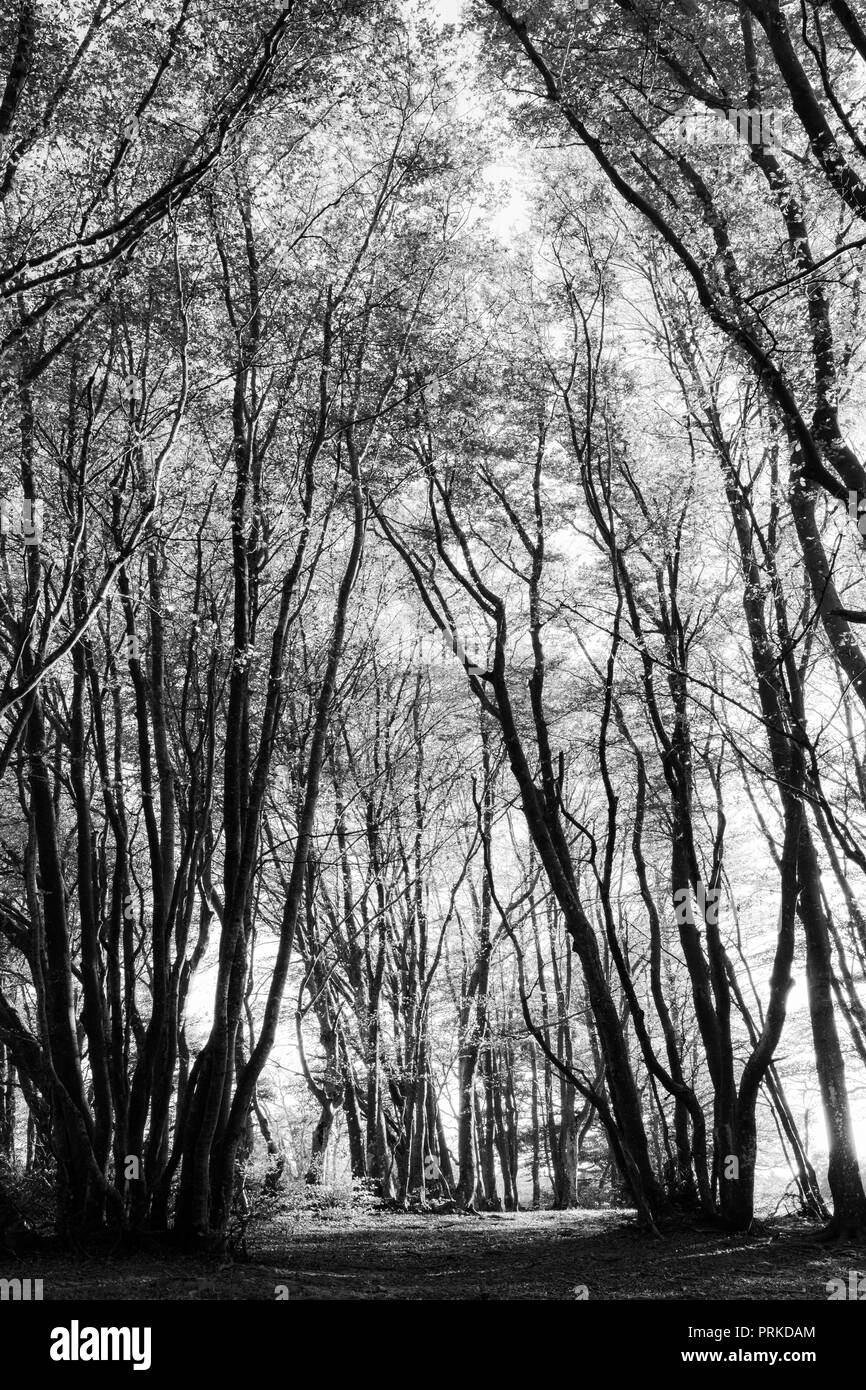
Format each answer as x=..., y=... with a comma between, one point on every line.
x=379, y=1254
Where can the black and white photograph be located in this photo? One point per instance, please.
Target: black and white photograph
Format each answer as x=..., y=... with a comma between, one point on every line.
x=432, y=681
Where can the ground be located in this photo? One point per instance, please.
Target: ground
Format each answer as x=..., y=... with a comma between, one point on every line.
x=380, y=1254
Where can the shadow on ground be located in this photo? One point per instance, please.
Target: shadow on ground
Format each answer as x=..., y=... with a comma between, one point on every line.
x=531, y=1255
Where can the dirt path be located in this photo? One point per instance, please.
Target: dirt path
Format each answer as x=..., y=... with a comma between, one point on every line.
x=532, y=1255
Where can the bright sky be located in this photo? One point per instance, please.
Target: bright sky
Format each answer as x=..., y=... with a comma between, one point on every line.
x=449, y=11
